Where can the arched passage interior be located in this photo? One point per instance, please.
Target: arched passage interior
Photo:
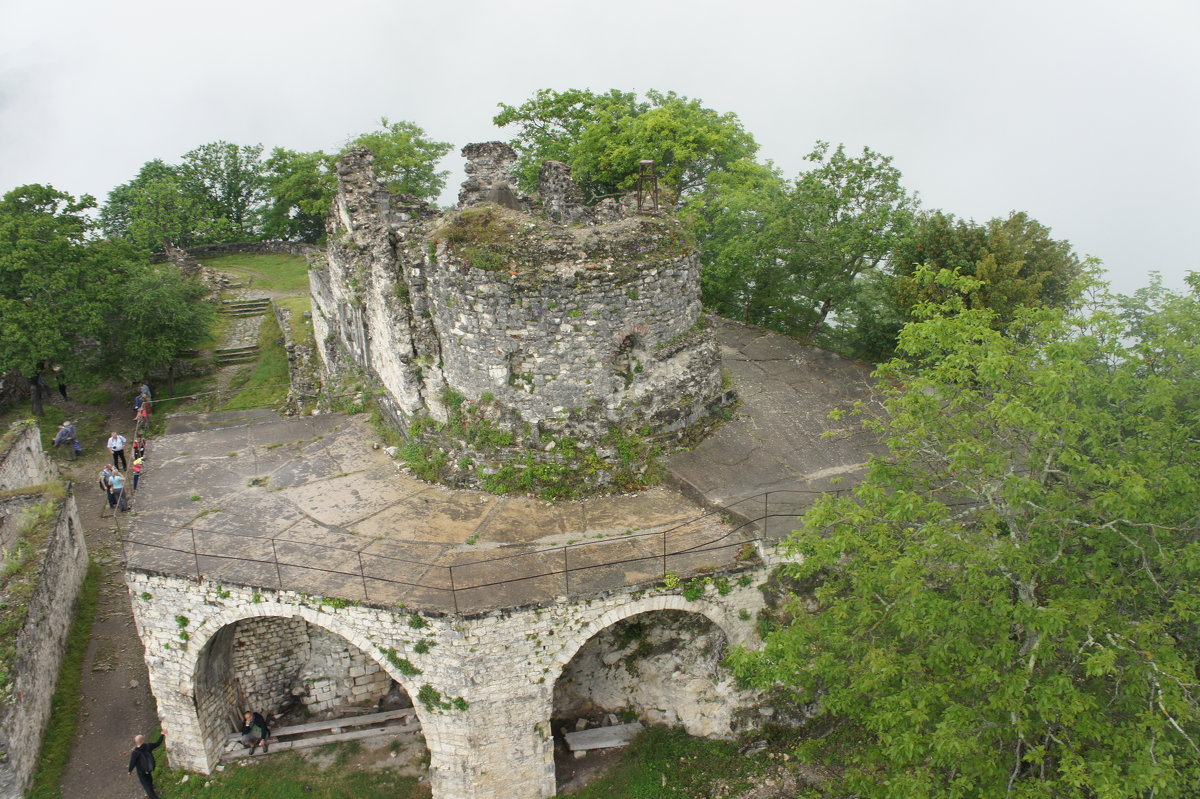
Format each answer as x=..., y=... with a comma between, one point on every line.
x=287, y=669
x=657, y=667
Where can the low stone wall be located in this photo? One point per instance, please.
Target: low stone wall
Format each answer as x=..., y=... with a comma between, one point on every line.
x=304, y=366
x=43, y=537
x=242, y=248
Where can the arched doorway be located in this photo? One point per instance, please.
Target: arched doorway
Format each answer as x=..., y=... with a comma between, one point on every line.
x=297, y=674
x=655, y=667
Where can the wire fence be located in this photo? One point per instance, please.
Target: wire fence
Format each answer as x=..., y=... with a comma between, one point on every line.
x=719, y=540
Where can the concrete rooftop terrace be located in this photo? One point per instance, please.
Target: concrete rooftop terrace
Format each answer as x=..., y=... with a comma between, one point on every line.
x=308, y=504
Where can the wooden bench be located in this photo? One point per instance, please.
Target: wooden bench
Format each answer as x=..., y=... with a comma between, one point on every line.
x=350, y=728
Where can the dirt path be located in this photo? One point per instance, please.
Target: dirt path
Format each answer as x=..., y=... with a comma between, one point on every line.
x=116, y=702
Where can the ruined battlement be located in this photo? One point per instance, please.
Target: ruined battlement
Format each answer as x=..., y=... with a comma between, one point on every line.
x=518, y=331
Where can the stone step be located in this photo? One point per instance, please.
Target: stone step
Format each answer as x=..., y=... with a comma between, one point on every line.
x=236, y=350
x=246, y=357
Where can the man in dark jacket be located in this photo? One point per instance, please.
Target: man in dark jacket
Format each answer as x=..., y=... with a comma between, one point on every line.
x=255, y=731
x=141, y=760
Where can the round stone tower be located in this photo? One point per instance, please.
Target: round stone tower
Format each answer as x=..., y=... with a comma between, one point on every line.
x=522, y=343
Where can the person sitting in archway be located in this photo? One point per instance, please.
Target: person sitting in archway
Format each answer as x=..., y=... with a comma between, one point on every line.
x=255, y=731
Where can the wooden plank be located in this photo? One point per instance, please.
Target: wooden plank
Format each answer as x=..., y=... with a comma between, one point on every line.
x=348, y=721
x=602, y=737
x=321, y=740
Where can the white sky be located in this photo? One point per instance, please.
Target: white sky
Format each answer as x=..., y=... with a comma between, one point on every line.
x=1085, y=113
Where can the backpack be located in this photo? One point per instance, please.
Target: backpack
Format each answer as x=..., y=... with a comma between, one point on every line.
x=145, y=761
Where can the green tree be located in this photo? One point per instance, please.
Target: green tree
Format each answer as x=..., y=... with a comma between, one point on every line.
x=551, y=122
x=95, y=306
x=790, y=254
x=117, y=212
x=229, y=181
x=300, y=188
x=1006, y=606
x=405, y=158
x=1015, y=260
x=50, y=306
x=604, y=137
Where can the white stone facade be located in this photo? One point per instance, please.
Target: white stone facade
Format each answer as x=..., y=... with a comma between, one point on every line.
x=483, y=686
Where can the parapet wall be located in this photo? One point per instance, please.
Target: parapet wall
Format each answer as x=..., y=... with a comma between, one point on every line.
x=502, y=336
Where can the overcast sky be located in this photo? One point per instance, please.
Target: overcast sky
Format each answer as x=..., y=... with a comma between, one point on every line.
x=1084, y=113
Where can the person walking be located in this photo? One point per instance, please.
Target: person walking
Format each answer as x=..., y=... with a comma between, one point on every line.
x=139, y=446
x=66, y=435
x=116, y=445
x=141, y=760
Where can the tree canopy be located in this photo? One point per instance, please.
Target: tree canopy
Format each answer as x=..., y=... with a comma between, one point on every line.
x=788, y=254
x=602, y=137
x=1015, y=260
x=93, y=305
x=1006, y=605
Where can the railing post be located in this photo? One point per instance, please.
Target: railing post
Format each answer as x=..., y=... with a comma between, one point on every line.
x=453, y=590
x=275, y=557
x=664, y=537
x=566, y=574
x=362, y=572
x=195, y=552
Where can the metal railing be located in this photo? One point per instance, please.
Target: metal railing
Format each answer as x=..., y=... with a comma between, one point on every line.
x=699, y=545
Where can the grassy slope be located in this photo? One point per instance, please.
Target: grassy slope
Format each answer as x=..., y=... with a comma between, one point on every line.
x=265, y=272
x=265, y=383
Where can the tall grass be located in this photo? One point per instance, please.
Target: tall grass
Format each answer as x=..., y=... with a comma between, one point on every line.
x=265, y=272
x=266, y=384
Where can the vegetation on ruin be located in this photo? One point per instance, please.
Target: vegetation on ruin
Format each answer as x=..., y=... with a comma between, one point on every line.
x=1006, y=605
x=18, y=577
x=473, y=448
x=66, y=704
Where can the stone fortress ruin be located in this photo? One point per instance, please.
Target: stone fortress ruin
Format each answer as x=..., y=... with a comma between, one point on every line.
x=519, y=333
x=527, y=346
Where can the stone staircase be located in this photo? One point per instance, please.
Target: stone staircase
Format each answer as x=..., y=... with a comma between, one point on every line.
x=227, y=355
x=256, y=306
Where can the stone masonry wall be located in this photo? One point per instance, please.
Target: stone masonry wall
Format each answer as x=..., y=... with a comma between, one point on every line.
x=37, y=648
x=267, y=657
x=559, y=331
x=22, y=462
x=485, y=683
x=665, y=668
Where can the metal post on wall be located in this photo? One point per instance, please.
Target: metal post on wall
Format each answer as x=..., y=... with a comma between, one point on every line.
x=566, y=573
x=647, y=185
x=362, y=571
x=453, y=590
x=275, y=557
x=195, y=552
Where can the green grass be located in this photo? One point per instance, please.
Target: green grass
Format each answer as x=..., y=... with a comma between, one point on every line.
x=288, y=776
x=667, y=763
x=66, y=702
x=300, y=328
x=265, y=272
x=266, y=384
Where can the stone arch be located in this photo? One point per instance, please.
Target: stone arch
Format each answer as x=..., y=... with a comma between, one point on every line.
x=704, y=608
x=587, y=684
x=213, y=627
